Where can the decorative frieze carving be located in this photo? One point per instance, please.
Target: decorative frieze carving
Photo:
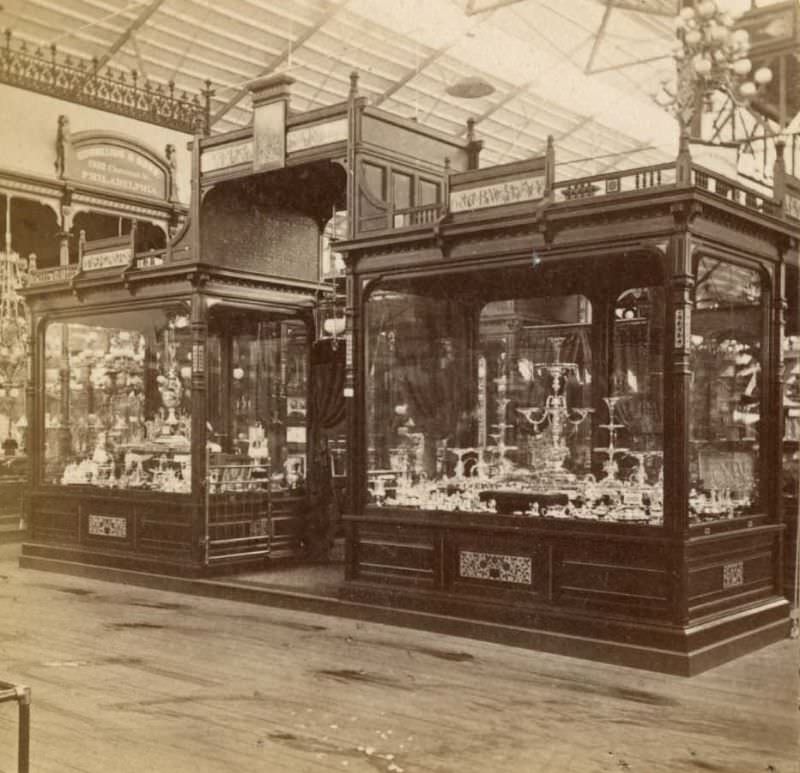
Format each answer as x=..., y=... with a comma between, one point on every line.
x=733, y=574
x=108, y=526
x=495, y=567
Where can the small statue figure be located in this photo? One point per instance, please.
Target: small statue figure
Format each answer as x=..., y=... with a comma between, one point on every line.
x=62, y=142
x=172, y=164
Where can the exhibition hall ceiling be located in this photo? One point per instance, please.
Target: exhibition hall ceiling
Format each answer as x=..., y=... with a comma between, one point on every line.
x=583, y=71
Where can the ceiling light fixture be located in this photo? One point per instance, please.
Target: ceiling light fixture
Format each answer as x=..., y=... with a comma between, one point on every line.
x=470, y=87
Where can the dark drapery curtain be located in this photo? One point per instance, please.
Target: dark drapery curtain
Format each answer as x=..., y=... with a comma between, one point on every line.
x=327, y=382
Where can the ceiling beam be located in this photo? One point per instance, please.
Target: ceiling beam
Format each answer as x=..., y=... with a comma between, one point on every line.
x=437, y=53
x=242, y=92
x=520, y=90
x=411, y=74
x=471, y=10
x=638, y=7
x=136, y=24
x=625, y=65
x=601, y=31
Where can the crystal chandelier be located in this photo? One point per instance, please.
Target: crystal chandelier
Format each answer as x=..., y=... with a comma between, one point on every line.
x=710, y=55
x=13, y=330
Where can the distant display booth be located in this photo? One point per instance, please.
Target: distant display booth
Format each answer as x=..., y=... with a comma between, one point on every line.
x=171, y=421
x=569, y=420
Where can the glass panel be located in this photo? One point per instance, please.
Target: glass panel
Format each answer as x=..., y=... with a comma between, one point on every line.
x=428, y=193
x=791, y=394
x=633, y=437
x=117, y=397
x=491, y=406
x=375, y=180
x=726, y=391
x=257, y=391
x=401, y=184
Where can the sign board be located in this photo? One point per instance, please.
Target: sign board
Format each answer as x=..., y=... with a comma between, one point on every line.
x=114, y=258
x=225, y=156
x=498, y=194
x=312, y=136
x=119, y=167
x=269, y=136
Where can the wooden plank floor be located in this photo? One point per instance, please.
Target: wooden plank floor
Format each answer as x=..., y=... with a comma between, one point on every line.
x=131, y=679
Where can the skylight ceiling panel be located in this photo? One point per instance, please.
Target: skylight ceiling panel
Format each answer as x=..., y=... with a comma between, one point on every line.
x=37, y=32
x=223, y=41
x=350, y=58
x=232, y=33
x=169, y=46
x=161, y=59
x=324, y=46
x=306, y=96
x=249, y=19
x=624, y=43
x=553, y=25
x=413, y=93
x=80, y=13
x=67, y=24
x=422, y=113
x=236, y=116
x=402, y=104
x=521, y=109
x=431, y=24
x=334, y=80
x=387, y=59
x=518, y=137
x=623, y=109
x=379, y=41
x=502, y=56
x=423, y=102
x=536, y=134
x=304, y=13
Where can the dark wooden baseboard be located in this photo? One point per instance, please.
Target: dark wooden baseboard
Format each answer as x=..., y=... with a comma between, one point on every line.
x=761, y=625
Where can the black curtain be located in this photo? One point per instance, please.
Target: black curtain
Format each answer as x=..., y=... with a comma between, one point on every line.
x=327, y=382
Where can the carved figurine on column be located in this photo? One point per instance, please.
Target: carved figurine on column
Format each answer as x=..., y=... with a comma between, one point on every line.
x=62, y=143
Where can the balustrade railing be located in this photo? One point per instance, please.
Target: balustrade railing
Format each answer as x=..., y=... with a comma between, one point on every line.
x=83, y=82
x=731, y=190
x=424, y=215
x=623, y=181
x=53, y=274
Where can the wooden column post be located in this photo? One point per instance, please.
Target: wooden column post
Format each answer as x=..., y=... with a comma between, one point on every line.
x=775, y=429
x=199, y=324
x=677, y=402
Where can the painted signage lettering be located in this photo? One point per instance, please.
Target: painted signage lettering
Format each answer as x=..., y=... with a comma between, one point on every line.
x=111, y=259
x=499, y=194
x=315, y=135
x=226, y=156
x=120, y=168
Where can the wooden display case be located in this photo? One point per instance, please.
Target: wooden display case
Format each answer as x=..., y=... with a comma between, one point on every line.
x=669, y=558
x=169, y=429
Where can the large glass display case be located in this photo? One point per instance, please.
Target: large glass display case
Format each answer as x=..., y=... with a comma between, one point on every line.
x=495, y=399
x=725, y=413
x=117, y=401
x=257, y=391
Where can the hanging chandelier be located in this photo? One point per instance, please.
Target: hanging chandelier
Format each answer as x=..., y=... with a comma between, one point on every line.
x=710, y=55
x=13, y=328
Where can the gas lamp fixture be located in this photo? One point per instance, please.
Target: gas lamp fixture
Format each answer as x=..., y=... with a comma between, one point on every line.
x=14, y=271
x=710, y=55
